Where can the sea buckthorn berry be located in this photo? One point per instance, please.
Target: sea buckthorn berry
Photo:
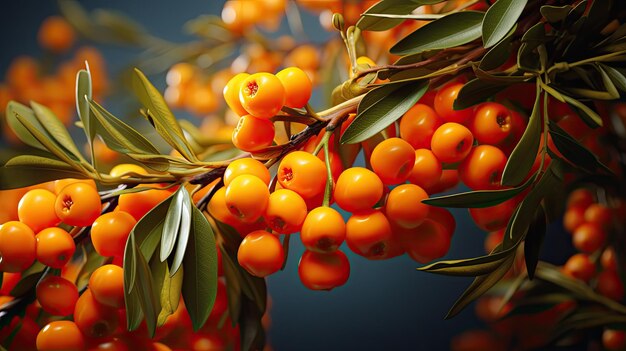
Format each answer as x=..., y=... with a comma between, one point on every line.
x=180, y=74
x=323, y=271
x=78, y=204
x=492, y=123
x=18, y=247
x=57, y=295
x=418, y=125
x=589, y=237
x=36, y=209
x=111, y=344
x=253, y=134
x=494, y=217
x=580, y=197
x=94, y=319
x=246, y=198
x=303, y=173
x=55, y=34
x=358, y=189
x=231, y=93
x=323, y=230
x=110, y=231
x=127, y=168
x=262, y=95
x=608, y=259
x=452, y=142
x=62, y=183
x=482, y=168
x=614, y=340
x=261, y=253
x=393, y=160
x=610, y=285
x=246, y=166
x=55, y=247
x=297, y=86
x=449, y=180
x=139, y=203
x=404, y=205
x=444, y=217
x=285, y=212
x=580, y=266
x=218, y=210
x=426, y=170
x=573, y=217
x=368, y=234
x=9, y=281
x=107, y=285
x=599, y=214
x=427, y=242
x=493, y=240
x=574, y=126
x=60, y=336
x=444, y=104
x=201, y=100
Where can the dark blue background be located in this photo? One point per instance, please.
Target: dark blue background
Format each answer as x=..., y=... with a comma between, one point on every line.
x=385, y=305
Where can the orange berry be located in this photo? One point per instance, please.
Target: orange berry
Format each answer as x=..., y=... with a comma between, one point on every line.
x=231, y=93
x=18, y=247
x=608, y=259
x=9, y=281
x=323, y=271
x=579, y=266
x=494, y=217
x=127, y=168
x=253, y=134
x=57, y=295
x=493, y=240
x=368, y=234
x=285, y=212
x=261, y=253
x=581, y=197
x=78, y=204
x=393, y=161
x=262, y=95
x=107, y=285
x=247, y=197
x=418, y=125
x=574, y=216
x=139, y=203
x=449, y=180
x=110, y=231
x=492, y=123
x=482, y=168
x=22, y=73
x=614, y=340
x=599, y=214
x=93, y=318
x=426, y=170
x=246, y=166
x=404, y=205
x=60, y=336
x=297, y=86
x=62, y=183
x=444, y=217
x=55, y=247
x=452, y=142
x=444, y=104
x=55, y=34
x=303, y=173
x=180, y=74
x=358, y=189
x=36, y=209
x=305, y=57
x=589, y=237
x=610, y=285
x=201, y=100
x=426, y=242
x=323, y=230
x=239, y=15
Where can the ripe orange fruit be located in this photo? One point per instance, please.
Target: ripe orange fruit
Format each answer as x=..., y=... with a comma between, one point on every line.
x=110, y=231
x=139, y=203
x=492, y=123
x=18, y=247
x=426, y=170
x=610, y=285
x=323, y=230
x=107, y=285
x=247, y=197
x=449, y=179
x=62, y=183
x=261, y=253
x=78, y=204
x=392, y=160
x=60, y=336
x=93, y=318
x=482, y=168
x=404, y=205
x=614, y=340
x=297, y=86
x=358, y=189
x=303, y=173
x=126, y=168
x=368, y=234
x=581, y=197
x=494, y=217
x=427, y=242
x=452, y=142
x=262, y=95
x=36, y=209
x=180, y=74
x=599, y=214
x=444, y=104
x=55, y=247
x=253, y=134
x=57, y=295
x=589, y=237
x=285, y=211
x=608, y=259
x=323, y=271
x=55, y=34
x=231, y=93
x=418, y=125
x=580, y=266
x=246, y=166
x=573, y=217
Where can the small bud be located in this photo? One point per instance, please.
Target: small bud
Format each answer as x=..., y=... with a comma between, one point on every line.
x=338, y=22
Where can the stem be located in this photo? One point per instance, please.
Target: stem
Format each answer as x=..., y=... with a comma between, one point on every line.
x=329, y=174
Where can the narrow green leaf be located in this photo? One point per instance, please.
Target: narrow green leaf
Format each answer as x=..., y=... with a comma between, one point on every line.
x=499, y=54
x=452, y=30
x=200, y=270
x=28, y=280
x=130, y=263
x=499, y=19
x=168, y=288
x=20, y=174
x=588, y=115
x=380, y=108
x=555, y=14
x=233, y=286
x=388, y=7
x=476, y=91
x=574, y=152
x=477, y=198
x=56, y=129
x=617, y=76
x=186, y=220
x=479, y=286
x=15, y=108
x=534, y=241
x=171, y=224
x=523, y=156
x=469, y=267
x=144, y=285
x=132, y=302
x=250, y=326
x=84, y=94
x=607, y=81
x=162, y=117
